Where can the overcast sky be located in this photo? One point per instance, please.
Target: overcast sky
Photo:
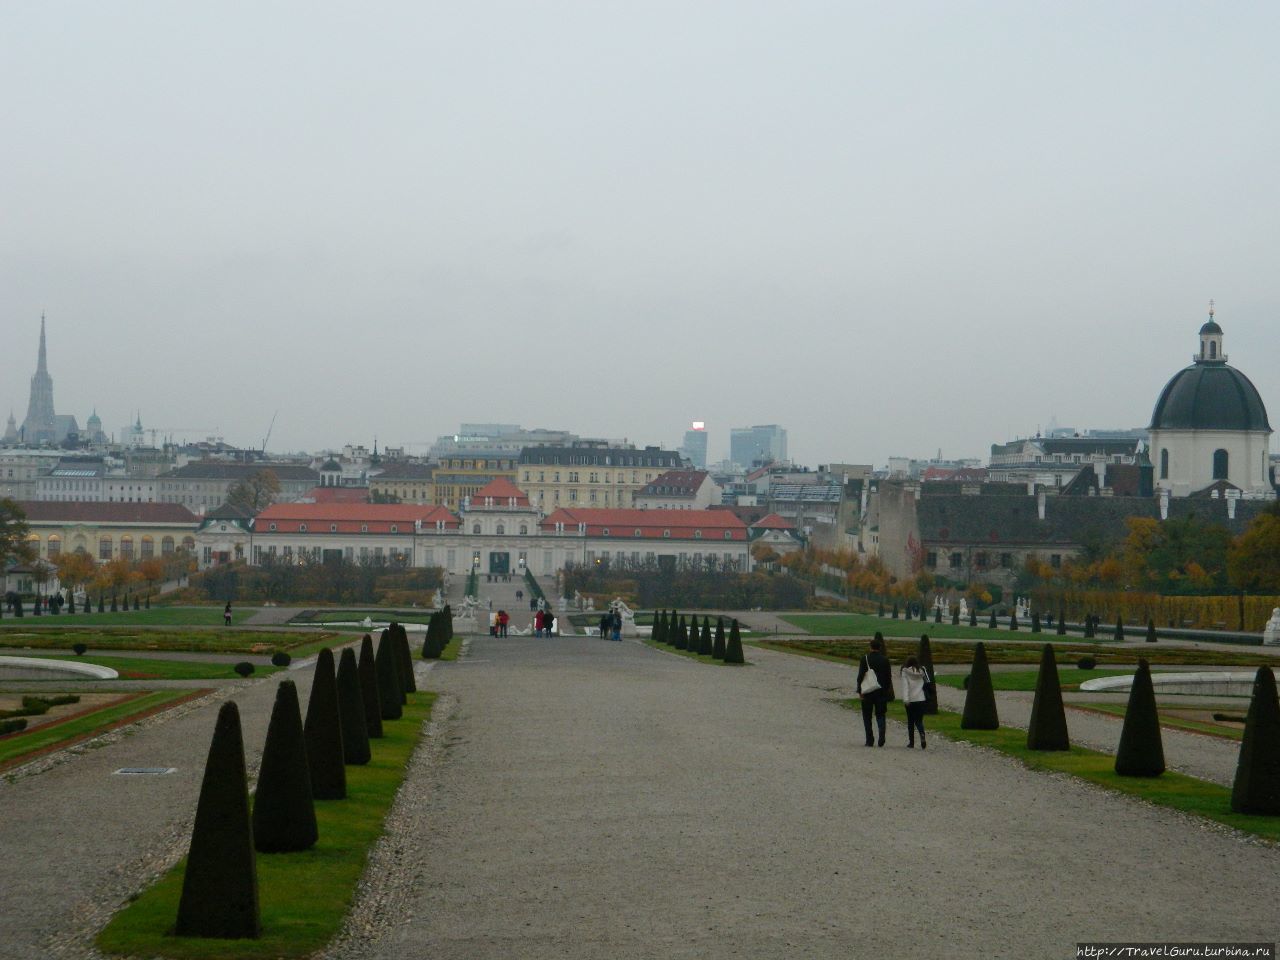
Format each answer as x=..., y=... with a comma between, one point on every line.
x=893, y=228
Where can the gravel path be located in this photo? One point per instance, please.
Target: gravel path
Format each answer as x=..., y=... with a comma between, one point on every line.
x=76, y=840
x=611, y=800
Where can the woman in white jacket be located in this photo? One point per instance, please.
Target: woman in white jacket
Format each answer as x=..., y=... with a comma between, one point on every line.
x=913, y=696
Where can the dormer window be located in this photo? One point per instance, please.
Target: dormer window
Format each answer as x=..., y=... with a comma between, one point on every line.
x=271, y=526
x=605, y=531
x=697, y=534
x=394, y=528
x=333, y=528
x=302, y=528
x=364, y=528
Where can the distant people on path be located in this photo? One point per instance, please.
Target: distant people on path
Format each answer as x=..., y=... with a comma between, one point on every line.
x=875, y=687
x=538, y=624
x=914, y=698
x=226, y=614
x=616, y=624
x=503, y=619
x=493, y=623
x=606, y=623
x=551, y=625
x=519, y=594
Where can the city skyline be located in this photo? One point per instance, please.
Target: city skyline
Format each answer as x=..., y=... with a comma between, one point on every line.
x=892, y=231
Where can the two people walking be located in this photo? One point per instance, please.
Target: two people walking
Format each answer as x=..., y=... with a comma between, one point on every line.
x=875, y=688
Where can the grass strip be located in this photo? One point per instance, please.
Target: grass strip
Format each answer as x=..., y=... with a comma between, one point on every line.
x=156, y=616
x=864, y=625
x=452, y=649
x=304, y=896
x=20, y=747
x=1177, y=791
x=691, y=655
x=146, y=668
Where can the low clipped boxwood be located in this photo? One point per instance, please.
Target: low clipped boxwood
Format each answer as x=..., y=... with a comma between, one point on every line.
x=281, y=659
x=1086, y=663
x=12, y=726
x=79, y=649
x=244, y=668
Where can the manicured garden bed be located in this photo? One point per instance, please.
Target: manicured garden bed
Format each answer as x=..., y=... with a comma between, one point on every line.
x=197, y=639
x=144, y=668
x=1068, y=651
x=156, y=616
x=21, y=747
x=304, y=896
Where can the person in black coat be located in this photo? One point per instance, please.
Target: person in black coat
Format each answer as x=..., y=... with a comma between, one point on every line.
x=877, y=701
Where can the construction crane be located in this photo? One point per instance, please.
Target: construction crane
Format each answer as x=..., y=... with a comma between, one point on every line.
x=269, y=429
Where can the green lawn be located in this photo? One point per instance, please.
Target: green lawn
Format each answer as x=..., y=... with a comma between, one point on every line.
x=1069, y=677
x=18, y=746
x=1067, y=652
x=1174, y=790
x=304, y=896
x=156, y=616
x=206, y=640
x=144, y=668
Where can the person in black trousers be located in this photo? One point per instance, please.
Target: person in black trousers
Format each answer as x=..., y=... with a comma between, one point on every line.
x=876, y=663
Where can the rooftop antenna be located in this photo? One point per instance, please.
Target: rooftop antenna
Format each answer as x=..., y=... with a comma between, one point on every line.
x=1210, y=308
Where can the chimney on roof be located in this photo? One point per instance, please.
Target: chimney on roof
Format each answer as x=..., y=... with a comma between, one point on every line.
x=1040, y=503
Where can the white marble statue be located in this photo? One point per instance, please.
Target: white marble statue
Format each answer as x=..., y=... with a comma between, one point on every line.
x=964, y=609
x=1271, y=635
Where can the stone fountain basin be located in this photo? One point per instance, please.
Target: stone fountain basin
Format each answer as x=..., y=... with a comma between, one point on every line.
x=49, y=668
x=1217, y=684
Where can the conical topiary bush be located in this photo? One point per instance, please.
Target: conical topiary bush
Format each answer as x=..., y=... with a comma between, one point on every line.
x=220, y=885
x=323, y=730
x=1151, y=631
x=924, y=613
x=682, y=636
x=718, y=645
x=733, y=649
x=1013, y=621
x=284, y=816
x=895, y=611
x=355, y=734
x=405, y=661
x=1119, y=629
x=672, y=632
x=1141, y=750
x=388, y=681
x=429, y=640
x=937, y=614
x=1035, y=622
x=991, y=624
x=980, y=698
x=924, y=654
x=1257, y=785
x=973, y=616
x=388, y=639
x=1090, y=626
x=1048, y=727
x=1062, y=622
x=955, y=616
x=880, y=609
x=656, y=633
x=369, y=688
x=705, y=645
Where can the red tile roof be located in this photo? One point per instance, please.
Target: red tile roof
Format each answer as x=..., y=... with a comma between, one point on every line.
x=652, y=524
x=53, y=511
x=502, y=492
x=350, y=518
x=774, y=522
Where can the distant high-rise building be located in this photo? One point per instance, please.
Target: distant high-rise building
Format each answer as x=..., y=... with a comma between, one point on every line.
x=694, y=448
x=42, y=425
x=748, y=445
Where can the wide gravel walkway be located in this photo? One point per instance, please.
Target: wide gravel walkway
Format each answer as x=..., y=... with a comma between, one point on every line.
x=589, y=799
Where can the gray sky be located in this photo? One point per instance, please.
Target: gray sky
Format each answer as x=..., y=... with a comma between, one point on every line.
x=891, y=228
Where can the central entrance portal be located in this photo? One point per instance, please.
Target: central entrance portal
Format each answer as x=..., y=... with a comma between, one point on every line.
x=500, y=563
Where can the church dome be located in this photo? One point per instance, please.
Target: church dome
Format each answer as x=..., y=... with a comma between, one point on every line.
x=1210, y=394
